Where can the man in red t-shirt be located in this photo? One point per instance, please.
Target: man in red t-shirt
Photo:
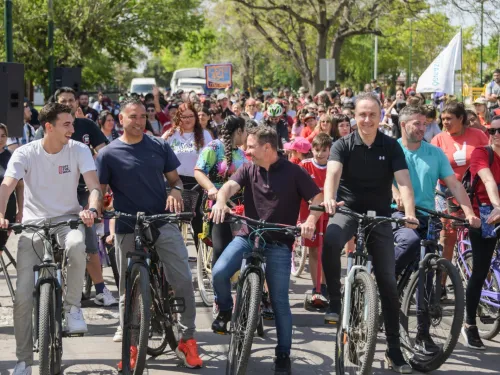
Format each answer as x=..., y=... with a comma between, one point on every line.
x=310, y=122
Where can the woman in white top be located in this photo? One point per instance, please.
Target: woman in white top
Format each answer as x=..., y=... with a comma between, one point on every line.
x=187, y=138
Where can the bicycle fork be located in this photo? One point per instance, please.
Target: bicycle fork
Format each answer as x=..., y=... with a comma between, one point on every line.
x=349, y=280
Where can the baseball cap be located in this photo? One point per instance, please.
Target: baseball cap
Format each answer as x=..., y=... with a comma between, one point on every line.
x=480, y=101
x=299, y=144
x=222, y=97
x=309, y=115
x=173, y=105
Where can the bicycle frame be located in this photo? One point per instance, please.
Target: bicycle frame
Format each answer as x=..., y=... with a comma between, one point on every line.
x=464, y=248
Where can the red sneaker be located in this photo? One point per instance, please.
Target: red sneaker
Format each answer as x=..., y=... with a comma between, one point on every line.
x=188, y=352
x=133, y=358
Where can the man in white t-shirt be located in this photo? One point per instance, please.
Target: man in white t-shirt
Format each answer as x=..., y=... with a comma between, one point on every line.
x=50, y=168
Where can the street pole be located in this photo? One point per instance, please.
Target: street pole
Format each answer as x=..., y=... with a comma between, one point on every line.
x=375, y=60
x=9, y=51
x=482, y=19
x=408, y=78
x=51, y=47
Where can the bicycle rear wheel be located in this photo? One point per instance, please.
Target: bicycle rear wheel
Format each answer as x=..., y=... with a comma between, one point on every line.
x=114, y=266
x=204, y=274
x=243, y=324
x=488, y=316
x=137, y=319
x=299, y=256
x=355, y=348
x=50, y=346
x=87, y=286
x=157, y=341
x=444, y=319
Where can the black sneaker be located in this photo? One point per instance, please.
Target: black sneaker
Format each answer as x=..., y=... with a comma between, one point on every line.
x=282, y=364
x=332, y=314
x=444, y=294
x=219, y=325
x=396, y=362
x=425, y=345
x=472, y=339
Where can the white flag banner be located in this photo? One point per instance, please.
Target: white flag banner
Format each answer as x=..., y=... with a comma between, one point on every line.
x=440, y=75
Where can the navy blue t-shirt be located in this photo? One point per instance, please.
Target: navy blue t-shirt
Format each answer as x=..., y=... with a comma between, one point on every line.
x=135, y=174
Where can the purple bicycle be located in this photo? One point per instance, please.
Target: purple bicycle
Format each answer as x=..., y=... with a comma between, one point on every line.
x=488, y=310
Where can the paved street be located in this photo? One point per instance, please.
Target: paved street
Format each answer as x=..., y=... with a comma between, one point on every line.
x=312, y=353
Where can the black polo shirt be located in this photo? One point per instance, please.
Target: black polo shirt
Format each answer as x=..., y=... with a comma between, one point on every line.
x=368, y=171
x=275, y=195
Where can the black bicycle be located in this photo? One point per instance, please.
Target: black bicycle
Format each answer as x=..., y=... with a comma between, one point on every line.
x=420, y=287
x=151, y=308
x=357, y=331
x=246, y=315
x=48, y=294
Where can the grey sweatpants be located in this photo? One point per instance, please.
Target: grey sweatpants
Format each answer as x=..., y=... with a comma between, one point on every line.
x=173, y=253
x=30, y=253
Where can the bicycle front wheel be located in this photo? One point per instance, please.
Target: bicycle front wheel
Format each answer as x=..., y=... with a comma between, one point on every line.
x=355, y=344
x=204, y=274
x=50, y=350
x=441, y=320
x=243, y=324
x=137, y=319
x=299, y=256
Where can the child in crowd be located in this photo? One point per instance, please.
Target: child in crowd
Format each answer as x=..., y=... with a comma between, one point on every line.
x=298, y=149
x=316, y=167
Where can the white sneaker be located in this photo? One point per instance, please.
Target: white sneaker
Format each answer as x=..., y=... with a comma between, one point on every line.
x=118, y=337
x=22, y=369
x=105, y=298
x=74, y=322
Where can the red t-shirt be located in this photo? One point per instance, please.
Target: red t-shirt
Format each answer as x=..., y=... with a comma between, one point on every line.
x=480, y=160
x=458, y=149
x=306, y=132
x=318, y=174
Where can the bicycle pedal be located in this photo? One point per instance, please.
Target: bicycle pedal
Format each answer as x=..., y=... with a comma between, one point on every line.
x=331, y=322
x=177, y=305
x=487, y=319
x=66, y=334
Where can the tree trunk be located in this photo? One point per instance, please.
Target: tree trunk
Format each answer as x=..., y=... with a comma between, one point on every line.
x=321, y=43
x=335, y=51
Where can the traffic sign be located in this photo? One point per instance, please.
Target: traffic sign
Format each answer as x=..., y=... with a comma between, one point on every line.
x=219, y=76
x=327, y=70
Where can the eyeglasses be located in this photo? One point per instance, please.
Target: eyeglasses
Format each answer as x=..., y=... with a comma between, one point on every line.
x=321, y=112
x=494, y=131
x=187, y=117
x=151, y=111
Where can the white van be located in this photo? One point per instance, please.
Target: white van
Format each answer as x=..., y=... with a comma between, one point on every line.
x=189, y=79
x=142, y=85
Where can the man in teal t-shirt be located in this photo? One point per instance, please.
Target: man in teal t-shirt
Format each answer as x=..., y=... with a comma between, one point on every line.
x=426, y=164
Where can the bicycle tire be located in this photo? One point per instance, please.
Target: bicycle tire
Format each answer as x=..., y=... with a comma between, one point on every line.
x=344, y=362
x=431, y=363
x=260, y=326
x=298, y=266
x=494, y=328
x=49, y=354
x=87, y=286
x=157, y=325
x=114, y=265
x=247, y=301
x=137, y=300
x=173, y=329
x=206, y=288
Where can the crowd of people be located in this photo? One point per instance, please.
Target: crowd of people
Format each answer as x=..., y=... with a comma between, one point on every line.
x=282, y=153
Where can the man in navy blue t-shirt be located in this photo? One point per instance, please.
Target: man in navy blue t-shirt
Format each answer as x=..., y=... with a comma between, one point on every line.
x=135, y=167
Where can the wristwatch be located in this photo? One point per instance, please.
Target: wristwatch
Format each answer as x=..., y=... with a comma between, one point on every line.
x=178, y=188
x=92, y=209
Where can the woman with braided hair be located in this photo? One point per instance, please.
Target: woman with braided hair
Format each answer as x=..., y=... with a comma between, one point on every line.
x=216, y=163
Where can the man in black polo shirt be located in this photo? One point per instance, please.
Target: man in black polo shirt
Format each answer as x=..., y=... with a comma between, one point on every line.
x=274, y=188
x=87, y=132
x=360, y=174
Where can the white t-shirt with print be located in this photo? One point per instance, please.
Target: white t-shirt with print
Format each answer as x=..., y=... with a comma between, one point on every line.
x=50, y=180
x=185, y=150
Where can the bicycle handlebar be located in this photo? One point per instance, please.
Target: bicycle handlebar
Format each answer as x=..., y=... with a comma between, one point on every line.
x=181, y=216
x=18, y=227
x=365, y=217
x=262, y=224
x=442, y=215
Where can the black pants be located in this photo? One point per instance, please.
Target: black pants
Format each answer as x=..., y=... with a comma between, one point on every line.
x=197, y=222
x=222, y=235
x=10, y=214
x=380, y=244
x=482, y=251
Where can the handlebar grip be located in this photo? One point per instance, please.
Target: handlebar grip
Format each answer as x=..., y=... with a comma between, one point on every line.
x=459, y=224
x=187, y=216
x=317, y=208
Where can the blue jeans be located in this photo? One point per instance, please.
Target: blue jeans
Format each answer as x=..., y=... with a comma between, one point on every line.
x=278, y=267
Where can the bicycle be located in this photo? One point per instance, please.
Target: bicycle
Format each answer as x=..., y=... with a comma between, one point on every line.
x=189, y=197
x=246, y=317
x=488, y=310
x=357, y=331
x=299, y=256
x=48, y=293
x=6, y=272
x=150, y=305
x=420, y=286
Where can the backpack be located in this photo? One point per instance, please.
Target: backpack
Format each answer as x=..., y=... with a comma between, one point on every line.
x=470, y=185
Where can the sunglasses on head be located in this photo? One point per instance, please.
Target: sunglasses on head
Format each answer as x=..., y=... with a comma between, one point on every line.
x=493, y=131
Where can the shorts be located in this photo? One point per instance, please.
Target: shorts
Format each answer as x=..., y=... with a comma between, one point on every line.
x=320, y=231
x=91, y=241
x=447, y=206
